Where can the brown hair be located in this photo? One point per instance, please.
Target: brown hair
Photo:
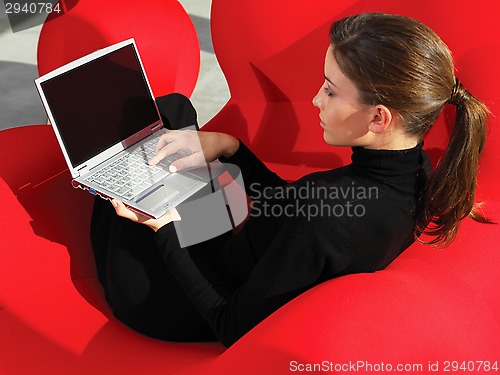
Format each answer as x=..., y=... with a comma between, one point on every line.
x=401, y=63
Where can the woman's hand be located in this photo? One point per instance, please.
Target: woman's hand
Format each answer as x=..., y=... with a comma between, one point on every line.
x=155, y=224
x=205, y=147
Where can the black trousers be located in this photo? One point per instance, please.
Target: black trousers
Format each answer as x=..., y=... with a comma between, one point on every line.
x=137, y=284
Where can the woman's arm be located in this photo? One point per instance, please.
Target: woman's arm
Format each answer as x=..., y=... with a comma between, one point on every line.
x=205, y=147
x=285, y=271
x=273, y=259
x=256, y=175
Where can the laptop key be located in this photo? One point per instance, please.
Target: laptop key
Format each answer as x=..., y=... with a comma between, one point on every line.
x=122, y=190
x=129, y=195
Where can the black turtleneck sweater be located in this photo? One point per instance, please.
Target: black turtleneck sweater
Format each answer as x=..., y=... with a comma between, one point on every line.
x=353, y=219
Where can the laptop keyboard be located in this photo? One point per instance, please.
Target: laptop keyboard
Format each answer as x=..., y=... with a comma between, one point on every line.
x=131, y=174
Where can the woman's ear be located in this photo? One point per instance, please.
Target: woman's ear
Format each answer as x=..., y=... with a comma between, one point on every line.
x=381, y=119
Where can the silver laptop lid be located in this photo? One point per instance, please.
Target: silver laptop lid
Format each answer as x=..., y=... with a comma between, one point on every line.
x=99, y=105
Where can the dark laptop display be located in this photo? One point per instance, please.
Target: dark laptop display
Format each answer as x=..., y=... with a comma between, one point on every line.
x=100, y=103
x=106, y=122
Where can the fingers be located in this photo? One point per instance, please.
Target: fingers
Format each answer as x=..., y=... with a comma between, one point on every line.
x=194, y=160
x=169, y=149
x=174, y=214
x=173, y=141
x=188, y=138
x=123, y=211
x=167, y=137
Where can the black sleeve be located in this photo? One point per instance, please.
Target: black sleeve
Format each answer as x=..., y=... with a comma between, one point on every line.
x=256, y=175
x=293, y=262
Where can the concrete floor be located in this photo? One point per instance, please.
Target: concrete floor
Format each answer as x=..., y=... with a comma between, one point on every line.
x=19, y=101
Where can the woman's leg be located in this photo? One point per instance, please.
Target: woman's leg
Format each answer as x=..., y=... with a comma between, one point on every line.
x=176, y=111
x=138, y=287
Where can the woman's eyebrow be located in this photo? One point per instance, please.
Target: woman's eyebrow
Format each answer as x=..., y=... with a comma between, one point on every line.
x=328, y=79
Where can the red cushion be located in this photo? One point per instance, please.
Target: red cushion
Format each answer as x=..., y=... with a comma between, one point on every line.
x=40, y=185
x=53, y=316
x=427, y=306
x=473, y=258
x=163, y=31
x=275, y=69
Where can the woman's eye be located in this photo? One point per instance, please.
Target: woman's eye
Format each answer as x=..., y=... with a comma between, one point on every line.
x=327, y=91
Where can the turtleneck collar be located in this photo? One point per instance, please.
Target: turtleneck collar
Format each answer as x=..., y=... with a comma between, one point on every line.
x=392, y=167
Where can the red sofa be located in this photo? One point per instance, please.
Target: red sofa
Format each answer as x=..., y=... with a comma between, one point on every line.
x=430, y=311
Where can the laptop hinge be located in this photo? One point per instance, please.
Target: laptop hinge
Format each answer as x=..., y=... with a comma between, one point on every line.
x=156, y=127
x=83, y=170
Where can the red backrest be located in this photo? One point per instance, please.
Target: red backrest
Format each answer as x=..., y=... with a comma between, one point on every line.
x=43, y=210
x=46, y=262
x=428, y=305
x=163, y=31
x=272, y=55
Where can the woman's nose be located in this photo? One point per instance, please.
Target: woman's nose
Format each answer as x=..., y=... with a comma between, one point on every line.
x=316, y=101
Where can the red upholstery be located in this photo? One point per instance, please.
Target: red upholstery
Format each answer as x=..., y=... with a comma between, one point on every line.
x=427, y=306
x=273, y=62
x=161, y=28
x=53, y=317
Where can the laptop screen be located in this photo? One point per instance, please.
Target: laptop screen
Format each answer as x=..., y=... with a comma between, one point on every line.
x=100, y=103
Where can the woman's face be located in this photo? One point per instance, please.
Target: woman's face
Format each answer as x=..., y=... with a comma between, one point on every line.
x=343, y=118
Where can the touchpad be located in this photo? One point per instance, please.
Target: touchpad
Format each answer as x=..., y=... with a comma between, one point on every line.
x=158, y=197
x=184, y=181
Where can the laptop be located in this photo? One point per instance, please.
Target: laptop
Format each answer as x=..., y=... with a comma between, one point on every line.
x=105, y=118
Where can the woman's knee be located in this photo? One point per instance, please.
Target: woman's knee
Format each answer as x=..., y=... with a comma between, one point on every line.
x=177, y=111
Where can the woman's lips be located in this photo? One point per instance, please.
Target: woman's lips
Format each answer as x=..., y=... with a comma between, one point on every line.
x=322, y=124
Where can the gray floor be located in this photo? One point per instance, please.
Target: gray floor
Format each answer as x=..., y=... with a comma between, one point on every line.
x=20, y=104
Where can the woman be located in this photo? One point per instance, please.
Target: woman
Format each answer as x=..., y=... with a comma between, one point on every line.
x=387, y=79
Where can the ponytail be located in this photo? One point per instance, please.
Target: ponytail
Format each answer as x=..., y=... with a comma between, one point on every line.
x=449, y=194
x=403, y=64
